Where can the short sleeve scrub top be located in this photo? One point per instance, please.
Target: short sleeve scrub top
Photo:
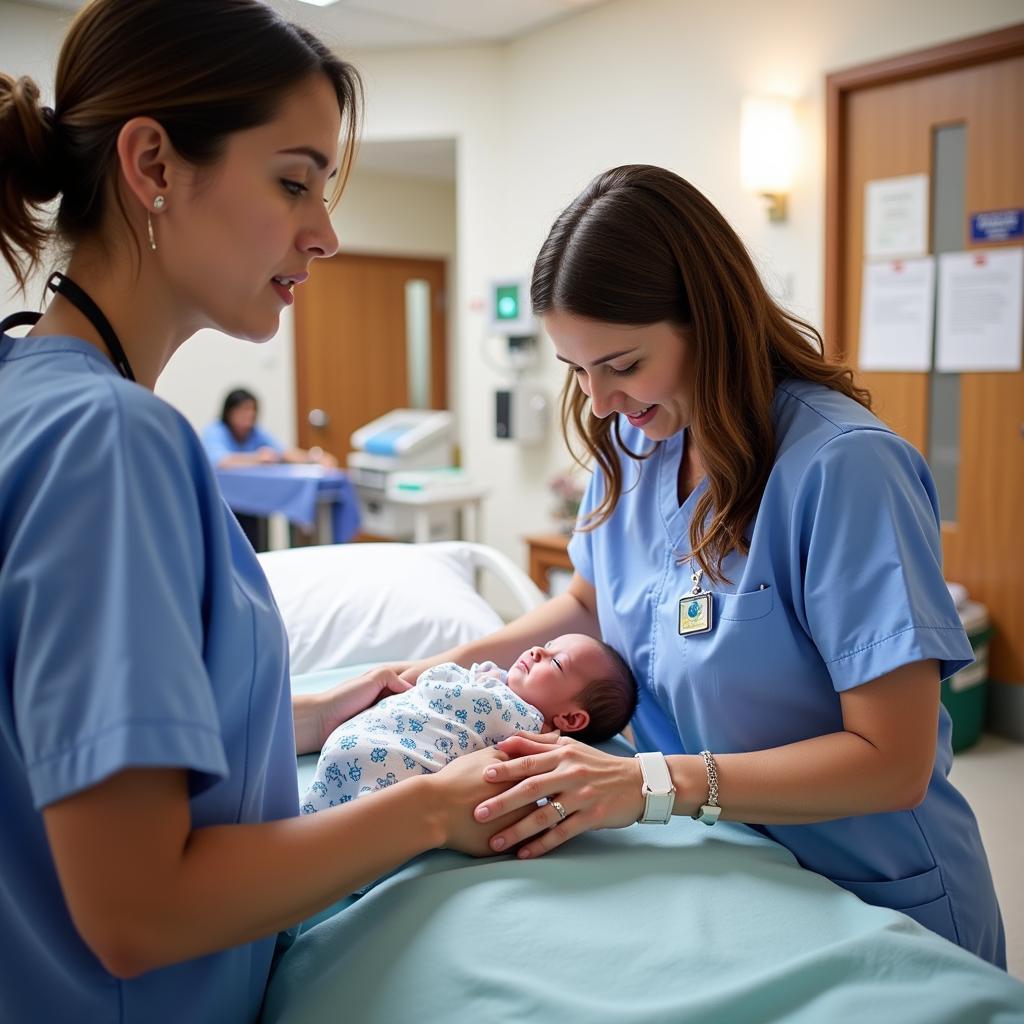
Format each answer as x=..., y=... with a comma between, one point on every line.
x=136, y=630
x=842, y=584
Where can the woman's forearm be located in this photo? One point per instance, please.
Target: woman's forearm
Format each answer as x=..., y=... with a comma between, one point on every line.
x=307, y=719
x=296, y=865
x=881, y=761
x=239, y=459
x=150, y=891
x=835, y=776
x=562, y=614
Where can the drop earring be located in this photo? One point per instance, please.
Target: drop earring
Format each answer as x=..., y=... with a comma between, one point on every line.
x=158, y=204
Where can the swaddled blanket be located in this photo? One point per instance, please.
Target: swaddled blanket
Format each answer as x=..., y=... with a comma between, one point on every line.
x=450, y=711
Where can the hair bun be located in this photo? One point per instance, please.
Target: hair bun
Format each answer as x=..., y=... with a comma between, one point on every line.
x=28, y=140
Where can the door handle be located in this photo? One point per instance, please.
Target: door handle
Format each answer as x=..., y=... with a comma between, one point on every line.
x=318, y=418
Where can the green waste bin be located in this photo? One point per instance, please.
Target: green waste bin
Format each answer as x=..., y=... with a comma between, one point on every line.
x=965, y=693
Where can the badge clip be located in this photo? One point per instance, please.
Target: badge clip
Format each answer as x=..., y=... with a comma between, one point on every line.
x=695, y=609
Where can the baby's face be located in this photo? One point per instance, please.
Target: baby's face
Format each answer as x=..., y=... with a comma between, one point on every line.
x=552, y=677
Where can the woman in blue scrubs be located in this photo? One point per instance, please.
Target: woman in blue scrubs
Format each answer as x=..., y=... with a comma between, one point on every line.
x=236, y=439
x=152, y=851
x=764, y=553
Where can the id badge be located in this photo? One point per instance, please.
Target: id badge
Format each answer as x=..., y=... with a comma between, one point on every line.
x=695, y=614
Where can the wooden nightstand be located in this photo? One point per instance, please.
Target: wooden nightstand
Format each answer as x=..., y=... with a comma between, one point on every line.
x=547, y=551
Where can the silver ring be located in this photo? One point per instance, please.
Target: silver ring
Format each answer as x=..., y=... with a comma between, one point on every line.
x=558, y=807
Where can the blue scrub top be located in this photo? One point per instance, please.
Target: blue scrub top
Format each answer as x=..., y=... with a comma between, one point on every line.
x=843, y=583
x=136, y=629
x=219, y=442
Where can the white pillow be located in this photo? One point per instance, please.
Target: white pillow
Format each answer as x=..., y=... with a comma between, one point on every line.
x=347, y=604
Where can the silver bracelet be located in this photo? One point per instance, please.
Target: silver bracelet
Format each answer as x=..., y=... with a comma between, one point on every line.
x=712, y=768
x=709, y=812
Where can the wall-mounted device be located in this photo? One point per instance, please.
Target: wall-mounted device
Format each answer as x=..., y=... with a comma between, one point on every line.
x=520, y=414
x=520, y=409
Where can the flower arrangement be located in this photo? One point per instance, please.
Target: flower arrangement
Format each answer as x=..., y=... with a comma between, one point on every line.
x=567, y=490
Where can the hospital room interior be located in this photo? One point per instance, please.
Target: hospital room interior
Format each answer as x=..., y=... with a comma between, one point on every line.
x=415, y=490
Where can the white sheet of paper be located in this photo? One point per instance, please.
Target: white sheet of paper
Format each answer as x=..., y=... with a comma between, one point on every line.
x=897, y=300
x=981, y=299
x=896, y=217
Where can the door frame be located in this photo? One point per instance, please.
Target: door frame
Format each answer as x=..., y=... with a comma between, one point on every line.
x=991, y=46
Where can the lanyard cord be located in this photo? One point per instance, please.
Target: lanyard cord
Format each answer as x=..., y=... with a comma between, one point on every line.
x=76, y=296
x=63, y=285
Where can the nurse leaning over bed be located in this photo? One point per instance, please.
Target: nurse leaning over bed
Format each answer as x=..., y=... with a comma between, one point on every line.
x=148, y=798
x=763, y=552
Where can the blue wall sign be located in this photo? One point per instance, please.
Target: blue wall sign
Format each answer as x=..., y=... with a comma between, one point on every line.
x=997, y=225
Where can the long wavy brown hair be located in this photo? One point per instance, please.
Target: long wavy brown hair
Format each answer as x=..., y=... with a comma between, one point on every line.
x=640, y=246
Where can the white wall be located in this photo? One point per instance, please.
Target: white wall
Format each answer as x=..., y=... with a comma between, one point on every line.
x=632, y=80
x=393, y=215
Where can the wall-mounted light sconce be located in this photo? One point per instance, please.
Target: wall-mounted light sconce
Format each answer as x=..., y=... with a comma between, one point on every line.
x=768, y=141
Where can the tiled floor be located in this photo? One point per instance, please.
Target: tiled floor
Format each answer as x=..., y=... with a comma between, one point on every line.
x=991, y=776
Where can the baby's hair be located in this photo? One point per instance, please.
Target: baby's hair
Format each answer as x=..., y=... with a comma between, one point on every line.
x=610, y=701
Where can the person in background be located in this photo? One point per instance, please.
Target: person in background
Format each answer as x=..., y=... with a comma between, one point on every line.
x=236, y=439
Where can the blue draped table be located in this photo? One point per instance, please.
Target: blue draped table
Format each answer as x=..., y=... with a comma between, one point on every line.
x=294, y=491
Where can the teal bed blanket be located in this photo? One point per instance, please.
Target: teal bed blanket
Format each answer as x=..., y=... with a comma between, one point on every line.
x=645, y=925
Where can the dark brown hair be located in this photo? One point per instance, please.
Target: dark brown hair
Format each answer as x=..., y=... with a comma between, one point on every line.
x=233, y=399
x=641, y=246
x=610, y=701
x=203, y=68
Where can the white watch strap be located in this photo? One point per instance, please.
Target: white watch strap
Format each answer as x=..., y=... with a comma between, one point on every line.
x=659, y=793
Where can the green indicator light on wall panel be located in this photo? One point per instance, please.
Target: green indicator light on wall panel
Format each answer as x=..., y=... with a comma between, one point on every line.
x=508, y=302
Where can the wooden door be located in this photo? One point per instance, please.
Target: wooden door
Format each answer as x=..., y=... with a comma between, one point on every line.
x=352, y=350
x=883, y=121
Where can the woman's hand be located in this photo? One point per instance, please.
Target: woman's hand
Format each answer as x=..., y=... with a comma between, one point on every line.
x=459, y=787
x=593, y=789
x=318, y=715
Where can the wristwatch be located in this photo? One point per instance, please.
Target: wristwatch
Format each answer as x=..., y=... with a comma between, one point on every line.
x=659, y=793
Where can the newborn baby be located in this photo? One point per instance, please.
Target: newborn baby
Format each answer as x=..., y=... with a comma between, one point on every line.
x=573, y=683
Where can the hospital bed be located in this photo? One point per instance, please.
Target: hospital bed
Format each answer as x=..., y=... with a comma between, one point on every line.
x=630, y=926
